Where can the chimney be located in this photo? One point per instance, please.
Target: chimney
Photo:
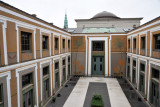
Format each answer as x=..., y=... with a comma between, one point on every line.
x=34, y=15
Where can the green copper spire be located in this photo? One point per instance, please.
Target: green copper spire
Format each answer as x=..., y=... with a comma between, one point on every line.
x=65, y=21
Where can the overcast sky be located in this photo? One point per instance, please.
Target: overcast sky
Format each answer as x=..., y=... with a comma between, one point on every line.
x=54, y=10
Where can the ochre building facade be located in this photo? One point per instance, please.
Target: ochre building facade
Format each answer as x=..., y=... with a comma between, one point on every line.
x=37, y=58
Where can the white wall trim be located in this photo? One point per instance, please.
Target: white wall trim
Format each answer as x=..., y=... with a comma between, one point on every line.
x=86, y=54
x=27, y=26
x=30, y=19
x=8, y=78
x=41, y=76
x=4, y=26
x=106, y=53
x=154, y=23
x=141, y=59
x=18, y=84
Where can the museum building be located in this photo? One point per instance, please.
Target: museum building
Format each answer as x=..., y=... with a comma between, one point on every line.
x=37, y=57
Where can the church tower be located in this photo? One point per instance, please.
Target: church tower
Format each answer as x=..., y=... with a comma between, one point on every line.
x=65, y=21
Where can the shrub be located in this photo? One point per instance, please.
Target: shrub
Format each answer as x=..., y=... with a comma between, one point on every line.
x=97, y=101
x=54, y=98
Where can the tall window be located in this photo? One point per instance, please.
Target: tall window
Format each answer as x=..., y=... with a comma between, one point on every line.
x=25, y=41
x=98, y=45
x=157, y=41
x=27, y=79
x=63, y=43
x=129, y=44
x=134, y=45
x=1, y=95
x=69, y=44
x=143, y=42
x=56, y=43
x=45, y=42
x=56, y=65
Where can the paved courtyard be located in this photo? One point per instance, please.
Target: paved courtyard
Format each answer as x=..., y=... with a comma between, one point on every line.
x=116, y=96
x=116, y=92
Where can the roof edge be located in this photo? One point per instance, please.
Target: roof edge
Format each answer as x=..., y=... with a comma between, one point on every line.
x=6, y=4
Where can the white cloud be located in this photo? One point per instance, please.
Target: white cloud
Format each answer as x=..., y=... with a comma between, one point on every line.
x=54, y=10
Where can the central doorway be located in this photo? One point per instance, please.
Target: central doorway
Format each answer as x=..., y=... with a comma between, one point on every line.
x=98, y=65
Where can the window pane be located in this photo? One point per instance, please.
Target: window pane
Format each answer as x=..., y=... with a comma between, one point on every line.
x=56, y=65
x=25, y=41
x=128, y=60
x=1, y=93
x=64, y=62
x=155, y=73
x=26, y=79
x=98, y=45
x=68, y=59
x=157, y=41
x=134, y=63
x=45, y=42
x=134, y=43
x=45, y=70
x=63, y=43
x=94, y=67
x=56, y=43
x=142, y=67
x=101, y=67
x=143, y=42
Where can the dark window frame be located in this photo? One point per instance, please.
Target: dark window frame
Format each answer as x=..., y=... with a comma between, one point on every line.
x=1, y=94
x=157, y=41
x=128, y=60
x=134, y=63
x=56, y=65
x=142, y=67
x=29, y=79
x=68, y=44
x=63, y=62
x=134, y=43
x=63, y=41
x=45, y=42
x=46, y=70
x=98, y=46
x=26, y=39
x=56, y=43
x=129, y=44
x=143, y=42
x=69, y=59
x=155, y=73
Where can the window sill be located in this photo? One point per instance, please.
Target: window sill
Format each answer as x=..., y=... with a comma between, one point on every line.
x=29, y=51
x=156, y=50
x=26, y=87
x=45, y=49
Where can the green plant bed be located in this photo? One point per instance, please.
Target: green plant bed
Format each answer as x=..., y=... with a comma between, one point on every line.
x=97, y=101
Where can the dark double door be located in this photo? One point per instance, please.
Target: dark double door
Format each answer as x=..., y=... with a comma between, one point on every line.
x=98, y=65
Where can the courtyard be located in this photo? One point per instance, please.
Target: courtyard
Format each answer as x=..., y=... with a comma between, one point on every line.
x=115, y=92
